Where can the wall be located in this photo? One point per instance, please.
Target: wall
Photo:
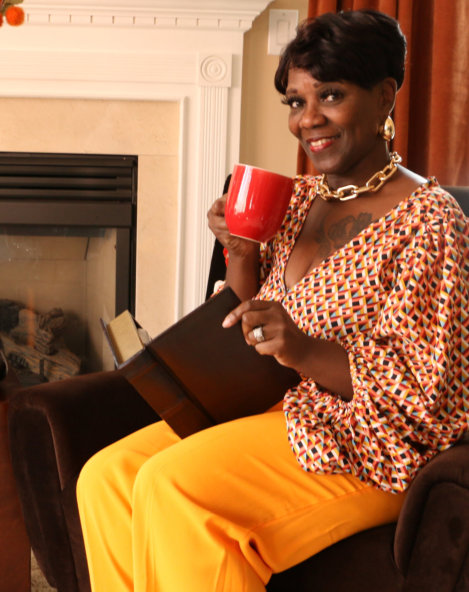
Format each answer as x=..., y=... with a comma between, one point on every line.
x=265, y=139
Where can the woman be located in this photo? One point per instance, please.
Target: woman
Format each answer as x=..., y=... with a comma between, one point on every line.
x=365, y=296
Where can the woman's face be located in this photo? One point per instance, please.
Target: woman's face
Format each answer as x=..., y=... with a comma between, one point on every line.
x=337, y=124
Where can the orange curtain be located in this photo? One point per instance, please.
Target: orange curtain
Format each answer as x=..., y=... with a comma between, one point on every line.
x=432, y=107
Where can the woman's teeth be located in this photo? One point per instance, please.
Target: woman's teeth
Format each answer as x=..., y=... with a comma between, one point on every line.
x=320, y=144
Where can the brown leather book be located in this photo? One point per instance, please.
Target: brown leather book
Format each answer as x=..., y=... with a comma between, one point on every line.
x=197, y=374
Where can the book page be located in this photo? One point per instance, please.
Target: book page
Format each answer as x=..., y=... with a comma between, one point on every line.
x=124, y=336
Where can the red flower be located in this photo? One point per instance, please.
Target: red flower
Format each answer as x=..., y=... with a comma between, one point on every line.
x=1, y=19
x=14, y=16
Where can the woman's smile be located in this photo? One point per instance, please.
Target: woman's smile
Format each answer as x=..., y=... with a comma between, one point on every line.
x=319, y=144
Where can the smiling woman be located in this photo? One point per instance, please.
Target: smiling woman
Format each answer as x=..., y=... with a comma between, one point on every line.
x=366, y=298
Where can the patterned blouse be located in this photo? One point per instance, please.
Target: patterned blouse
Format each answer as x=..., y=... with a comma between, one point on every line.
x=396, y=298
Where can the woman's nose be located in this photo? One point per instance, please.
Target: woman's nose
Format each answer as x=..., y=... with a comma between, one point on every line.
x=312, y=116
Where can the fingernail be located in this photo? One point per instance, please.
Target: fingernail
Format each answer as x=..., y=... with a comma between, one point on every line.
x=228, y=321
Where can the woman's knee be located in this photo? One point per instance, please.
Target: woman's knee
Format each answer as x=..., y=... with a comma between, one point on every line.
x=116, y=466
x=152, y=474
x=102, y=471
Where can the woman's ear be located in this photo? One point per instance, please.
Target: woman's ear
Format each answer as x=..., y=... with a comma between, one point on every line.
x=388, y=94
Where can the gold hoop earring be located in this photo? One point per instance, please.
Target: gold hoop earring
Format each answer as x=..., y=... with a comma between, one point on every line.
x=387, y=130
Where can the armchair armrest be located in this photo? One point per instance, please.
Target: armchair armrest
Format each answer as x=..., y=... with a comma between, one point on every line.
x=432, y=538
x=81, y=415
x=53, y=429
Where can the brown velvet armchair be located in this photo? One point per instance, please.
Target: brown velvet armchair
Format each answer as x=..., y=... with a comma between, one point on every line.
x=55, y=427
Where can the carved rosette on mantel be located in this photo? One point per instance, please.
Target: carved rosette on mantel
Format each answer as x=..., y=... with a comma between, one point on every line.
x=188, y=51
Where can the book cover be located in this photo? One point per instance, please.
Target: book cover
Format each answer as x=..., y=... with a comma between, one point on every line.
x=197, y=373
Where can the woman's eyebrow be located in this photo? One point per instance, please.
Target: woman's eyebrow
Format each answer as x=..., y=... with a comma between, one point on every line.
x=316, y=84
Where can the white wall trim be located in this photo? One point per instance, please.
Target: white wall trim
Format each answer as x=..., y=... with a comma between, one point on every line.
x=196, y=62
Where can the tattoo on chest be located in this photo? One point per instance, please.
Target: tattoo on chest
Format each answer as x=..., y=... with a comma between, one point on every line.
x=339, y=233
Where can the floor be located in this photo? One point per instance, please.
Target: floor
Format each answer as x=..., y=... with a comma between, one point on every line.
x=38, y=581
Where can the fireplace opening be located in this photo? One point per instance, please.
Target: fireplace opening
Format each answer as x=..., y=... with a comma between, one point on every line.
x=67, y=259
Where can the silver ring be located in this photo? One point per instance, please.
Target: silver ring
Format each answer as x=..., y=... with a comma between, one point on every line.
x=258, y=333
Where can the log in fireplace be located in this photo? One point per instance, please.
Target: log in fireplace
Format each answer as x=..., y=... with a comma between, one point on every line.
x=67, y=258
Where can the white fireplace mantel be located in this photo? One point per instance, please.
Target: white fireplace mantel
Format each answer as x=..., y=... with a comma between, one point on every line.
x=141, y=12
x=188, y=51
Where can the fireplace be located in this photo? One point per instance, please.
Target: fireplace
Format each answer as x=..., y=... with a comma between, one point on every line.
x=67, y=258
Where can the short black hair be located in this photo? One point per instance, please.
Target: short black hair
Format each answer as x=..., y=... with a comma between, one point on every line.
x=358, y=46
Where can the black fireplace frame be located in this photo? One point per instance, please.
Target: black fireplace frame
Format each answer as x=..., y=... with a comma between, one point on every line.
x=75, y=191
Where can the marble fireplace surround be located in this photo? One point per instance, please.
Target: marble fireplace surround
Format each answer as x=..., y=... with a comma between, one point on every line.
x=184, y=51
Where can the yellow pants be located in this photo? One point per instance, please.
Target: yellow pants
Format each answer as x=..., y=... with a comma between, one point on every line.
x=218, y=511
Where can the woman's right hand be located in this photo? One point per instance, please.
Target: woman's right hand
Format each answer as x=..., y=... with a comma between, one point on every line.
x=237, y=247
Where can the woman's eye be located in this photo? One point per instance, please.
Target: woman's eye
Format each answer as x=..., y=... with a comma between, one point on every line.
x=330, y=95
x=292, y=102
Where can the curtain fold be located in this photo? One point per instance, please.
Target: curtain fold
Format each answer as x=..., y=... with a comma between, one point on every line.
x=432, y=107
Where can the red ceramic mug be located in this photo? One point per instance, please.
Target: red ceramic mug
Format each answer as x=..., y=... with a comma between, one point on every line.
x=257, y=202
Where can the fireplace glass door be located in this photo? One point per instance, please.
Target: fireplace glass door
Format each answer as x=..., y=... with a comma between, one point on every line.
x=67, y=257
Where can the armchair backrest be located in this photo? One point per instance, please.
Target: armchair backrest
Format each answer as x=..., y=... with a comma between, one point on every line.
x=217, y=264
x=461, y=194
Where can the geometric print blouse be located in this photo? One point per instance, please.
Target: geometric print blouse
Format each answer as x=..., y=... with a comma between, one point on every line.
x=396, y=298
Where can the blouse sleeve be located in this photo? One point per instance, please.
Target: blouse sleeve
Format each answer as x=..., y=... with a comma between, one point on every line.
x=411, y=392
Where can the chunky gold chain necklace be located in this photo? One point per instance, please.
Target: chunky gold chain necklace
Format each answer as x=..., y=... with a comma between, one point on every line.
x=374, y=183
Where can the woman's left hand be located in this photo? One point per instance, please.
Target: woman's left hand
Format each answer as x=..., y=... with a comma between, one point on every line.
x=282, y=338
x=326, y=362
